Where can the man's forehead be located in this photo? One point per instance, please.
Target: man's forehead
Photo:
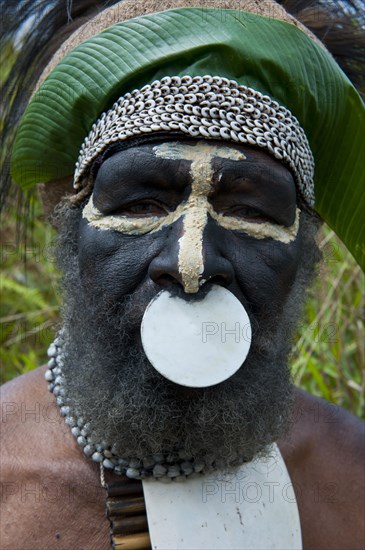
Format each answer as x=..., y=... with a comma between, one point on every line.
x=221, y=155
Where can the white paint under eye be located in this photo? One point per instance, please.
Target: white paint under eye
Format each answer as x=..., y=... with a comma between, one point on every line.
x=264, y=230
x=127, y=224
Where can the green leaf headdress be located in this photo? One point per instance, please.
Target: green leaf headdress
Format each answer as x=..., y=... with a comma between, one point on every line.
x=269, y=53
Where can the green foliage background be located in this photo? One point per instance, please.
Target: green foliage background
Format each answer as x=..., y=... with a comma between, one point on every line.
x=327, y=360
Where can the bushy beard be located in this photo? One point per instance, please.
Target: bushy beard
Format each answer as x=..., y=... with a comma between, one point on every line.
x=112, y=385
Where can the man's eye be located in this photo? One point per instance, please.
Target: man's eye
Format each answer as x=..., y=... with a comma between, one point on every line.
x=142, y=209
x=247, y=213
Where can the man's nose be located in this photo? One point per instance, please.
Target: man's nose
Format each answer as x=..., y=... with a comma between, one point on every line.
x=169, y=268
x=217, y=268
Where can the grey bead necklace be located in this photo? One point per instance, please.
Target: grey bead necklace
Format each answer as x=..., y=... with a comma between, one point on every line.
x=162, y=466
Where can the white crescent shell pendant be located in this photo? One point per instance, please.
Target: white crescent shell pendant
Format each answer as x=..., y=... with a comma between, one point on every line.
x=196, y=343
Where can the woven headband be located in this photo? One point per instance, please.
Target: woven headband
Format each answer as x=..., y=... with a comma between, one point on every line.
x=204, y=107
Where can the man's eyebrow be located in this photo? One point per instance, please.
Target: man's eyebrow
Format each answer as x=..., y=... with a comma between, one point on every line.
x=128, y=174
x=243, y=173
x=160, y=181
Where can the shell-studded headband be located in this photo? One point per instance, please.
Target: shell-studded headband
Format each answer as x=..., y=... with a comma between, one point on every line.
x=208, y=107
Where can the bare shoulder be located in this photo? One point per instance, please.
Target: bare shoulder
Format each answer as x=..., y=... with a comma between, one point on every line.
x=49, y=490
x=325, y=426
x=20, y=384
x=27, y=387
x=325, y=455
x=26, y=410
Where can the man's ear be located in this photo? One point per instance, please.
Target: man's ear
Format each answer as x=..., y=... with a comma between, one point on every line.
x=52, y=193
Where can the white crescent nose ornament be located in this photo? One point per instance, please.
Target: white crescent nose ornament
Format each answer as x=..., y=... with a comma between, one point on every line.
x=196, y=344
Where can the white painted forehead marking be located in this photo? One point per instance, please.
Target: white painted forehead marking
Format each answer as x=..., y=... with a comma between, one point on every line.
x=184, y=151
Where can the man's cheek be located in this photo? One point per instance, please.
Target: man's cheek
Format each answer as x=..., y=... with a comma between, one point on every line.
x=265, y=270
x=112, y=264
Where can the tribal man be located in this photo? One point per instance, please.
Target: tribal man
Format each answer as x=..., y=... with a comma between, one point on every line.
x=188, y=151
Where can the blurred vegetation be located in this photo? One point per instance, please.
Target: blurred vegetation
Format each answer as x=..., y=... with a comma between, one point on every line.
x=29, y=310
x=328, y=359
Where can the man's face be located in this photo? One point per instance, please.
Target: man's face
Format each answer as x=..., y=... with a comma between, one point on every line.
x=187, y=214
x=183, y=215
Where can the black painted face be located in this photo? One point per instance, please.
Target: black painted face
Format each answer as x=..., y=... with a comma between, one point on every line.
x=224, y=199
x=252, y=208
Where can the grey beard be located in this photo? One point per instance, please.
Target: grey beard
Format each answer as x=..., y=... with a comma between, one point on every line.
x=111, y=384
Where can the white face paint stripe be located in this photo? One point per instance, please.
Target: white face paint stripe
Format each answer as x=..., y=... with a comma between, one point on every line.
x=265, y=230
x=191, y=263
x=129, y=225
x=142, y=226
